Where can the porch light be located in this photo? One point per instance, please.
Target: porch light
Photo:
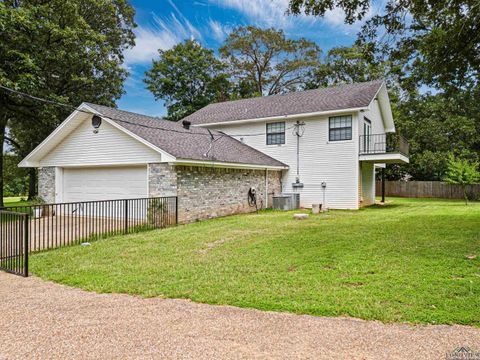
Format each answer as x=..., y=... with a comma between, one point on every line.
x=96, y=122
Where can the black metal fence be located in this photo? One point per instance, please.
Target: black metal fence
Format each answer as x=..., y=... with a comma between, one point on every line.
x=50, y=226
x=383, y=143
x=14, y=242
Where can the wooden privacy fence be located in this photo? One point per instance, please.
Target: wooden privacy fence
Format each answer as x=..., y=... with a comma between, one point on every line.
x=426, y=189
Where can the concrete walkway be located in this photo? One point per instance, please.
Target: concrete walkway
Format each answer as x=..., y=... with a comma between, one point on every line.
x=46, y=320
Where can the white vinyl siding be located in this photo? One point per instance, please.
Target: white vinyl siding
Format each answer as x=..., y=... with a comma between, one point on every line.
x=375, y=116
x=110, y=146
x=321, y=160
x=104, y=183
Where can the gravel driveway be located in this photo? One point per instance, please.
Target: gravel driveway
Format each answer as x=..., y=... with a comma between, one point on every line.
x=46, y=320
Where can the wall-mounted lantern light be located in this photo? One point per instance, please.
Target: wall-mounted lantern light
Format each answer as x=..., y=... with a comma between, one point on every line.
x=96, y=122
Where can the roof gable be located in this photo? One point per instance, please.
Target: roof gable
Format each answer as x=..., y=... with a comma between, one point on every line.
x=69, y=125
x=109, y=146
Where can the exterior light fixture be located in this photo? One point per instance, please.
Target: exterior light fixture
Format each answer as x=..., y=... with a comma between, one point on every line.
x=96, y=122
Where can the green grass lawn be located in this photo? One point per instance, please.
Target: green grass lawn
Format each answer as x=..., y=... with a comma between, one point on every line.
x=15, y=201
x=413, y=260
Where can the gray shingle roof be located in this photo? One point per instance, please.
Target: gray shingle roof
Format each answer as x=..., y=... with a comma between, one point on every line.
x=326, y=99
x=186, y=144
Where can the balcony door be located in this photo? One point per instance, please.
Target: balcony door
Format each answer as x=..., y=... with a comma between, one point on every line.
x=367, y=131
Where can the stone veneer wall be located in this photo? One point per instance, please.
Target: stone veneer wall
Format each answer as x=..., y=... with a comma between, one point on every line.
x=46, y=184
x=162, y=180
x=205, y=192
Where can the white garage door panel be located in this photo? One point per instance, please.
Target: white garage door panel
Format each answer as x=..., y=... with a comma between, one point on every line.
x=86, y=184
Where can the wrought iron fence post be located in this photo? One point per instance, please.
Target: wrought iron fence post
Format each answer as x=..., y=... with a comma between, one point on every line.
x=26, y=247
x=176, y=210
x=126, y=217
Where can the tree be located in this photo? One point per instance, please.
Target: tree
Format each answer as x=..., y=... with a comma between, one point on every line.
x=63, y=50
x=354, y=64
x=15, y=178
x=268, y=60
x=346, y=65
x=462, y=172
x=435, y=126
x=187, y=77
x=436, y=40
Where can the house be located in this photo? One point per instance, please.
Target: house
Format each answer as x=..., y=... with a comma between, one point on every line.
x=323, y=144
x=344, y=133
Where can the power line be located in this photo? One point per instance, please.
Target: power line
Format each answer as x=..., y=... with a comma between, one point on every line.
x=57, y=103
x=71, y=107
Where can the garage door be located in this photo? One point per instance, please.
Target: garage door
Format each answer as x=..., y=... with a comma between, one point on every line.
x=109, y=183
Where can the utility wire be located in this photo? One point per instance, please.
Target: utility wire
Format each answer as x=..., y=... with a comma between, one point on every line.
x=71, y=107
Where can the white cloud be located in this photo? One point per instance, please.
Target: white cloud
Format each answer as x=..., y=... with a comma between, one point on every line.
x=272, y=13
x=163, y=33
x=336, y=18
x=219, y=31
x=262, y=12
x=147, y=43
x=187, y=24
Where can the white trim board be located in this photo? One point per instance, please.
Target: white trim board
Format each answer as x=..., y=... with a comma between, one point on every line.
x=220, y=164
x=286, y=117
x=388, y=158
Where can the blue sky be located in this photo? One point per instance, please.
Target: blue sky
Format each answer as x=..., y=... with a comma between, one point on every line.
x=163, y=23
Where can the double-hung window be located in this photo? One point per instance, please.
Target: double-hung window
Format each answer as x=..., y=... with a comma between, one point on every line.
x=276, y=133
x=340, y=128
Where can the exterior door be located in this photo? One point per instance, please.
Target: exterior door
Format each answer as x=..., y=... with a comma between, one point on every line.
x=367, y=132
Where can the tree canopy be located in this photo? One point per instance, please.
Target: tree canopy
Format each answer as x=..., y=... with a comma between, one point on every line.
x=187, y=77
x=437, y=41
x=346, y=65
x=268, y=60
x=437, y=126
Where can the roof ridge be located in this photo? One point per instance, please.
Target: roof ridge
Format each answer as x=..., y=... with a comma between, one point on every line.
x=298, y=92
x=331, y=98
x=129, y=112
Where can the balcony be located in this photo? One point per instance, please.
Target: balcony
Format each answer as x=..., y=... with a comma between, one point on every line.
x=383, y=148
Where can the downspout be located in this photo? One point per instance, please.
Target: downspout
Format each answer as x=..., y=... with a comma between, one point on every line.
x=266, y=188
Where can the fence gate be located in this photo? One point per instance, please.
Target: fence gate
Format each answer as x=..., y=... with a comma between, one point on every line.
x=14, y=242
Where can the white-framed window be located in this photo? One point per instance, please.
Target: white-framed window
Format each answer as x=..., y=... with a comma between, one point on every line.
x=276, y=133
x=340, y=128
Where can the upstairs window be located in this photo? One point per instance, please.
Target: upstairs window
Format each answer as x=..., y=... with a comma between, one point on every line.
x=340, y=128
x=276, y=133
